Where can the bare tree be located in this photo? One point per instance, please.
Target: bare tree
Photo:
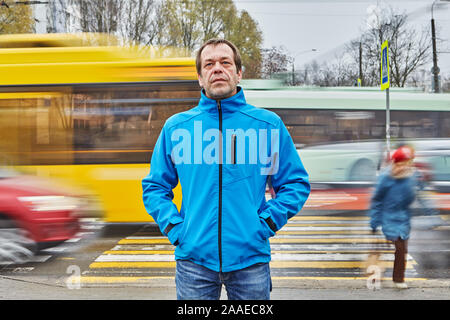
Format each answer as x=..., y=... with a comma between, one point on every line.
x=182, y=24
x=274, y=60
x=446, y=83
x=409, y=48
x=100, y=15
x=137, y=23
x=215, y=16
x=339, y=72
x=133, y=20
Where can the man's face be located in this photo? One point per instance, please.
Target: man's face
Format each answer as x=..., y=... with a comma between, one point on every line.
x=218, y=75
x=403, y=165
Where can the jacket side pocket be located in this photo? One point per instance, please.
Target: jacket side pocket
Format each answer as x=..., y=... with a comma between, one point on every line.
x=173, y=232
x=269, y=227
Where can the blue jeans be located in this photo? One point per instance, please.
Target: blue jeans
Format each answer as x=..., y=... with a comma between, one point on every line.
x=195, y=282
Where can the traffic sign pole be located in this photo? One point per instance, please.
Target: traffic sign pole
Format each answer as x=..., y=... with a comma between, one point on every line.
x=388, y=123
x=385, y=83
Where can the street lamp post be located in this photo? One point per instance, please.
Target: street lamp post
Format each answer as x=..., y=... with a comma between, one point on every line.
x=435, y=69
x=293, y=62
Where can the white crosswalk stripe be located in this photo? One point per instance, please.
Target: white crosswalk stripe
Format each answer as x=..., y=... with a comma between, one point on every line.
x=308, y=246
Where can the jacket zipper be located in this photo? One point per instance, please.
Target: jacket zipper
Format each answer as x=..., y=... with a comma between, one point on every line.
x=219, y=108
x=233, y=149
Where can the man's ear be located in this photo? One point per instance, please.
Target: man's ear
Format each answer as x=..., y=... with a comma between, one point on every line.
x=239, y=76
x=200, y=80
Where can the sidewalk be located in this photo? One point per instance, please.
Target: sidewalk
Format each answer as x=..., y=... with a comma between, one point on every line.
x=26, y=288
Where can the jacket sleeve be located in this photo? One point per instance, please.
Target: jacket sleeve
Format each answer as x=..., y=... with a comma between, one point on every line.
x=290, y=182
x=157, y=189
x=376, y=203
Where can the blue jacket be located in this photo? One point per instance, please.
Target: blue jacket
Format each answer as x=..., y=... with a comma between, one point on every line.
x=225, y=221
x=390, y=205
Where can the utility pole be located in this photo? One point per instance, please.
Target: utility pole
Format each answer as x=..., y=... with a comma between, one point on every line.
x=435, y=69
x=293, y=74
x=360, y=64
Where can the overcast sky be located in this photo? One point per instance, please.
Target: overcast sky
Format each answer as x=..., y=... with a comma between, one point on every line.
x=327, y=25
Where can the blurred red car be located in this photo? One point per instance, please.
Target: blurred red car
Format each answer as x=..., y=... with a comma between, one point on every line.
x=33, y=215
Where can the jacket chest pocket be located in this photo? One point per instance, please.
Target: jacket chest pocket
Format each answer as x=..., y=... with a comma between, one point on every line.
x=235, y=172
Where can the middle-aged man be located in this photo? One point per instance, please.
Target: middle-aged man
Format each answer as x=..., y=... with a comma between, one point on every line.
x=223, y=151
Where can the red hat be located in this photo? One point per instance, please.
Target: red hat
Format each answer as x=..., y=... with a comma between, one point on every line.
x=402, y=154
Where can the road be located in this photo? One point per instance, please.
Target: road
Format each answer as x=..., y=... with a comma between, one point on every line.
x=315, y=256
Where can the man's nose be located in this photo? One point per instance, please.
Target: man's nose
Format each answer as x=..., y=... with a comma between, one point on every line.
x=217, y=67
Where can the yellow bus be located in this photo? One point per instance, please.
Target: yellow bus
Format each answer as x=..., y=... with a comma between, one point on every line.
x=89, y=114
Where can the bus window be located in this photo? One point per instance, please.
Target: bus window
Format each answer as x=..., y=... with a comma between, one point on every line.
x=89, y=124
x=120, y=124
x=35, y=128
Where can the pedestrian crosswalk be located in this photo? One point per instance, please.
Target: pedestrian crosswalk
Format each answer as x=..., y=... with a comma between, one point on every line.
x=316, y=247
x=307, y=247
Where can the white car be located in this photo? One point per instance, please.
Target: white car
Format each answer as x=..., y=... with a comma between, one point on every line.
x=359, y=162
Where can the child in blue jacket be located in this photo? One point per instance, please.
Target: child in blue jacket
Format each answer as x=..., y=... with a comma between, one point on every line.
x=390, y=207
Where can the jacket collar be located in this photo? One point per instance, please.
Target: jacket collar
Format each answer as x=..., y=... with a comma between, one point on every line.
x=229, y=105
